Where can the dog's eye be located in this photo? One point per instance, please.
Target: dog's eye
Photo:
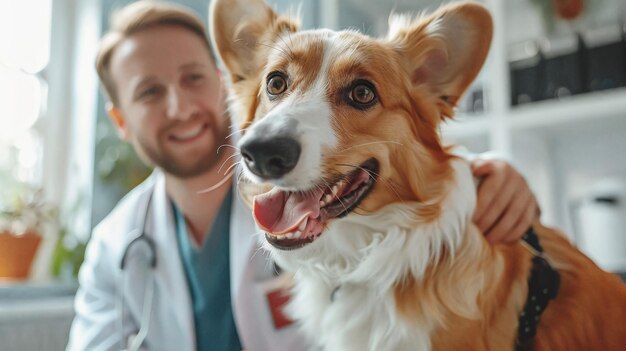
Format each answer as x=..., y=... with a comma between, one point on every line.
x=276, y=84
x=361, y=95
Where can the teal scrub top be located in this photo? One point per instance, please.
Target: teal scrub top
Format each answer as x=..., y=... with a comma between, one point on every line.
x=207, y=270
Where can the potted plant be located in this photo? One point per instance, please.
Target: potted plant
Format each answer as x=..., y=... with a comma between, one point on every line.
x=23, y=218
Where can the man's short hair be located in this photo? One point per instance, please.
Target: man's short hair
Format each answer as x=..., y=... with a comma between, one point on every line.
x=136, y=17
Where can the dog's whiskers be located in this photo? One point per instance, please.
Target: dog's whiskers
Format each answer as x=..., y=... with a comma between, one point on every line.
x=239, y=176
x=226, y=160
x=260, y=248
x=285, y=53
x=386, y=182
x=372, y=143
x=227, y=145
x=226, y=178
x=331, y=190
x=291, y=55
x=235, y=132
x=231, y=167
x=392, y=186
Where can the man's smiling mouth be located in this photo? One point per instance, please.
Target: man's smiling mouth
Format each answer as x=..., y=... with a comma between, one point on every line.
x=189, y=134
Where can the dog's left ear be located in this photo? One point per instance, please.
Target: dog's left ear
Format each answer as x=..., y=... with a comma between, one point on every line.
x=446, y=50
x=242, y=32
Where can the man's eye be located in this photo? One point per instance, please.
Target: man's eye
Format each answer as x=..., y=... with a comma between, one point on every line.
x=149, y=92
x=196, y=77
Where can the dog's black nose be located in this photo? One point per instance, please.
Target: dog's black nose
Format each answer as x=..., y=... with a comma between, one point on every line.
x=271, y=158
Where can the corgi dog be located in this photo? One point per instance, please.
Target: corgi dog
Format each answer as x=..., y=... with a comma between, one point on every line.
x=348, y=177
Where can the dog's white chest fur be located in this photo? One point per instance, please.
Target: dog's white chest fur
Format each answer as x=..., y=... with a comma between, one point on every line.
x=353, y=317
x=363, y=258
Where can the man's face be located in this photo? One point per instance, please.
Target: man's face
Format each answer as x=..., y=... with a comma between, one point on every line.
x=171, y=99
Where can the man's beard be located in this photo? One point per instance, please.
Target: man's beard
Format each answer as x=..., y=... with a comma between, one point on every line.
x=173, y=165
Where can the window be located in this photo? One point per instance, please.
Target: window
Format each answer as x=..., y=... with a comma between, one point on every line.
x=24, y=56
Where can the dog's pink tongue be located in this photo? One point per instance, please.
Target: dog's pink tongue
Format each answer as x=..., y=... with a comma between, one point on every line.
x=280, y=212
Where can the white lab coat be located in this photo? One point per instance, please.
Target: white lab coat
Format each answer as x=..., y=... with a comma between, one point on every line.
x=103, y=285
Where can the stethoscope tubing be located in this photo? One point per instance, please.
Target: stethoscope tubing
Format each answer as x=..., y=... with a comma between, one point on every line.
x=144, y=325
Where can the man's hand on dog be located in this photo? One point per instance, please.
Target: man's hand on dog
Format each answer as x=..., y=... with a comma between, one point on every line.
x=506, y=207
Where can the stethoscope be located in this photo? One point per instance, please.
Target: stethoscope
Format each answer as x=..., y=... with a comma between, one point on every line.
x=133, y=344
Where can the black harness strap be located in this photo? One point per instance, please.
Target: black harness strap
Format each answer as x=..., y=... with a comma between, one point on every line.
x=543, y=286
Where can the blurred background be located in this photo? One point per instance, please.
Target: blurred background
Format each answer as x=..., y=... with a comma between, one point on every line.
x=551, y=99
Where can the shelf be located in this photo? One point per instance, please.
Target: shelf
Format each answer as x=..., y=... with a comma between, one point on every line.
x=580, y=111
x=598, y=110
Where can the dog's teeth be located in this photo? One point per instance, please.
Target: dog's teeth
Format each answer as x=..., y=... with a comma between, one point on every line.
x=322, y=204
x=297, y=234
x=303, y=224
x=280, y=237
x=335, y=190
x=340, y=184
x=289, y=235
x=328, y=198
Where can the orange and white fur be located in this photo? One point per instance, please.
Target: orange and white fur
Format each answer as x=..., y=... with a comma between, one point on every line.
x=368, y=208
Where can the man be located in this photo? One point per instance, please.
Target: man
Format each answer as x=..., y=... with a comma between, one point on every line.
x=173, y=269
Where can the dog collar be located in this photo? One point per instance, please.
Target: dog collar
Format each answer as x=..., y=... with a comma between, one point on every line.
x=543, y=285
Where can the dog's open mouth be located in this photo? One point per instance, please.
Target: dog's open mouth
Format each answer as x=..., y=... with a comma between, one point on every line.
x=294, y=219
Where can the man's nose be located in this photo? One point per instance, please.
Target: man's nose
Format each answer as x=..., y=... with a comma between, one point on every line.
x=180, y=104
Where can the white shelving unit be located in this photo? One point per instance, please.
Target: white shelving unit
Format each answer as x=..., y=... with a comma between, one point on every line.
x=607, y=107
x=545, y=141
x=575, y=114
x=561, y=146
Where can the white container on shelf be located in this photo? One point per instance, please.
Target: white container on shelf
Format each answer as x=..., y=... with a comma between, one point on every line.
x=600, y=219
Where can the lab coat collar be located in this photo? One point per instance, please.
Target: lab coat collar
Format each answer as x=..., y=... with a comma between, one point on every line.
x=170, y=263
x=242, y=244
x=242, y=241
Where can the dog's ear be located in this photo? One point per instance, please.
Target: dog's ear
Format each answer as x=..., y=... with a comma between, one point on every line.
x=242, y=31
x=446, y=50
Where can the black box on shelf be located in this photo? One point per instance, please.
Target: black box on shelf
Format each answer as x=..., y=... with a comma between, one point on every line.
x=527, y=73
x=473, y=101
x=605, y=57
x=565, y=66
